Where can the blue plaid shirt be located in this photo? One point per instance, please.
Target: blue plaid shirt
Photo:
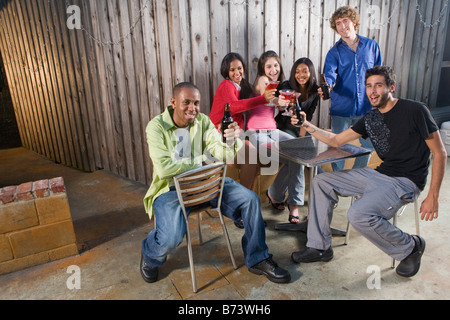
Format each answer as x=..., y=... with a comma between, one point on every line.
x=345, y=72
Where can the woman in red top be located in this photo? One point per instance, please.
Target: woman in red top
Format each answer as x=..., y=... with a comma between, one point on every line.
x=237, y=91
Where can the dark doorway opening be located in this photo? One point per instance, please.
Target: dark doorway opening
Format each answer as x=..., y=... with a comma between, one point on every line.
x=9, y=132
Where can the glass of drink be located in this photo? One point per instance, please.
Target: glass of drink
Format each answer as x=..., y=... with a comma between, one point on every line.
x=270, y=86
x=287, y=95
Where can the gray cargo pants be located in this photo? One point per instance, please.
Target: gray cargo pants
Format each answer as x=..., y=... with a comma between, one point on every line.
x=381, y=197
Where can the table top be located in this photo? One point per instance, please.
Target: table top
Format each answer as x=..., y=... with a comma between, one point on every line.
x=311, y=152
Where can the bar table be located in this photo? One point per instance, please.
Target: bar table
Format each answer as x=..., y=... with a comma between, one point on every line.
x=312, y=153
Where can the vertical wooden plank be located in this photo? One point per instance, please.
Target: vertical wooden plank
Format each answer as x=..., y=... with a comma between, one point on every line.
x=84, y=93
x=76, y=92
x=384, y=29
x=32, y=67
x=220, y=39
x=47, y=131
x=19, y=92
x=72, y=110
x=409, y=43
x=301, y=31
x=110, y=103
x=424, y=44
x=66, y=105
x=53, y=85
x=238, y=28
x=137, y=87
x=121, y=116
x=129, y=108
x=201, y=51
x=431, y=56
x=287, y=33
x=442, y=30
x=316, y=26
x=256, y=36
x=328, y=34
x=96, y=76
x=163, y=47
x=373, y=23
x=272, y=25
x=176, y=38
x=414, y=68
x=400, y=44
x=363, y=12
x=48, y=109
x=186, y=41
x=156, y=104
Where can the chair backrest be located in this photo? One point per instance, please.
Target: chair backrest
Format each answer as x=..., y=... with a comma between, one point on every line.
x=201, y=185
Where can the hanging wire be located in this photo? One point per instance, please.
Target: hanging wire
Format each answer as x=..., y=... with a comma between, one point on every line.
x=437, y=22
x=139, y=14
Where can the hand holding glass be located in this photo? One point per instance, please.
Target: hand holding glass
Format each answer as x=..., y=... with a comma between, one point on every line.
x=287, y=95
x=271, y=85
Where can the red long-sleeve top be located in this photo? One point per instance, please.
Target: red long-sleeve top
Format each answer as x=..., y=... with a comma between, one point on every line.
x=228, y=93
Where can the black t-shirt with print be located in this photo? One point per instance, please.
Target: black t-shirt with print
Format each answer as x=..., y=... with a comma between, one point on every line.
x=398, y=137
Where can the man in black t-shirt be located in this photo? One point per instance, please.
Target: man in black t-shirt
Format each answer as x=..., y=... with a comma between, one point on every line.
x=404, y=135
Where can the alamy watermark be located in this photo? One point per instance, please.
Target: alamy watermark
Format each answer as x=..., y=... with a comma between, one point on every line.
x=74, y=281
x=74, y=19
x=374, y=281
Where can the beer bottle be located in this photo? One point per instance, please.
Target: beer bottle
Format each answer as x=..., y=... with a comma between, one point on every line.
x=297, y=109
x=325, y=88
x=226, y=120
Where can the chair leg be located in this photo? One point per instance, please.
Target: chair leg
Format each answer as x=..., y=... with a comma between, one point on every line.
x=191, y=256
x=347, y=234
x=416, y=217
x=395, y=224
x=199, y=218
x=347, y=231
x=227, y=239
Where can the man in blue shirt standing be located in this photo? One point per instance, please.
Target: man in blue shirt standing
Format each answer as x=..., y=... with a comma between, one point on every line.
x=345, y=69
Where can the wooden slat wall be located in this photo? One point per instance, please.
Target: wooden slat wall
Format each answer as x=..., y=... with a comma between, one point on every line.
x=84, y=97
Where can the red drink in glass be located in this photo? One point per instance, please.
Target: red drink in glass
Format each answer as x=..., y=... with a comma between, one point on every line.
x=272, y=85
x=287, y=94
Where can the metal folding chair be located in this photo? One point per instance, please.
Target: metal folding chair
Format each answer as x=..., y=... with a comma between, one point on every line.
x=394, y=221
x=194, y=189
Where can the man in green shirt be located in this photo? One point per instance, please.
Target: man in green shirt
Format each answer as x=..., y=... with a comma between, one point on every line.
x=179, y=140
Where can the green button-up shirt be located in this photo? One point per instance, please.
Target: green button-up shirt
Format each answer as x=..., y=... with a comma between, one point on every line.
x=162, y=143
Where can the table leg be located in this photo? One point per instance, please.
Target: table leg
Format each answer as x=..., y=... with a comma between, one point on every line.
x=302, y=226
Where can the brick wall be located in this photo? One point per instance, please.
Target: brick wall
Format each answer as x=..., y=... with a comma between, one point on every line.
x=35, y=225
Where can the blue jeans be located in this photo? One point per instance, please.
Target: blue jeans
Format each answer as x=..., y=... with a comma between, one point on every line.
x=340, y=124
x=291, y=176
x=237, y=203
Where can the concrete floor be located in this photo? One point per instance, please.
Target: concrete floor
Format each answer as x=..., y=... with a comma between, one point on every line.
x=110, y=224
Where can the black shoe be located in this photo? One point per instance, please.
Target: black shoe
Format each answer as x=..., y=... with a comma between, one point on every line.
x=271, y=270
x=312, y=255
x=150, y=275
x=239, y=224
x=411, y=264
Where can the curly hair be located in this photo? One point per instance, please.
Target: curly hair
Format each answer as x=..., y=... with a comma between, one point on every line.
x=385, y=71
x=345, y=12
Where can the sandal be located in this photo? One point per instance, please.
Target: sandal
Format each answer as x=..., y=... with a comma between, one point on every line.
x=279, y=206
x=292, y=217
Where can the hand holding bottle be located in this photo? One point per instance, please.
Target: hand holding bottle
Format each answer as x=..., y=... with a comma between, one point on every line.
x=232, y=132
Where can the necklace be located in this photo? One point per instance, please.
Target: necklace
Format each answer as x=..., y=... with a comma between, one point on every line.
x=354, y=45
